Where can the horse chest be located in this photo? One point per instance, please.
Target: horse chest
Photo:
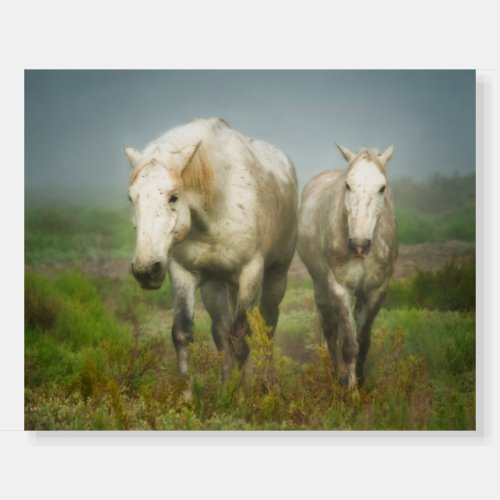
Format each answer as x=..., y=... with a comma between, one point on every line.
x=359, y=274
x=207, y=258
x=351, y=274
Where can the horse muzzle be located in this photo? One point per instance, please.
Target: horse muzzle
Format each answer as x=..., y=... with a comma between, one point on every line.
x=149, y=277
x=360, y=247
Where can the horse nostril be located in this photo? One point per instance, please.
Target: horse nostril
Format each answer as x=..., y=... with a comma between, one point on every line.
x=156, y=270
x=360, y=246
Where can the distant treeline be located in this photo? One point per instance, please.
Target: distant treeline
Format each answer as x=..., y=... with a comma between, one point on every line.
x=436, y=194
x=437, y=209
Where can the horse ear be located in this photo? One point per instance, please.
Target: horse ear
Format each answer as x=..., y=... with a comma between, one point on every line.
x=133, y=155
x=187, y=154
x=348, y=155
x=387, y=154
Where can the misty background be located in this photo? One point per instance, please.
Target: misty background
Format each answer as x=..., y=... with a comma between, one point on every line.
x=76, y=122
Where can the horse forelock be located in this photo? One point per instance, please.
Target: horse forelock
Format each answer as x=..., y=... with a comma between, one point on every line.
x=370, y=155
x=198, y=175
x=150, y=162
x=135, y=173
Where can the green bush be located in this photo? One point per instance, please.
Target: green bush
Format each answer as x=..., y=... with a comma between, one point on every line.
x=451, y=288
x=73, y=342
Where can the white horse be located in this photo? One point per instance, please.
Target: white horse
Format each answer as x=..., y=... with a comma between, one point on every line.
x=347, y=240
x=218, y=211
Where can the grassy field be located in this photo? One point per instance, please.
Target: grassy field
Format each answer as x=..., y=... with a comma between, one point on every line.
x=99, y=356
x=98, y=353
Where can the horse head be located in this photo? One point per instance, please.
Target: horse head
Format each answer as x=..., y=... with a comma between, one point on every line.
x=161, y=213
x=365, y=189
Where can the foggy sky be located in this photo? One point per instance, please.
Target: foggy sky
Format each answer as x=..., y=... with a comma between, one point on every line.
x=76, y=122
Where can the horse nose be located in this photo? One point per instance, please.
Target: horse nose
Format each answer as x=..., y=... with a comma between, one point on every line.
x=145, y=274
x=156, y=270
x=360, y=246
x=138, y=273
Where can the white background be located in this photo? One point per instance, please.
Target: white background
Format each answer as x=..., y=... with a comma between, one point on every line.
x=256, y=34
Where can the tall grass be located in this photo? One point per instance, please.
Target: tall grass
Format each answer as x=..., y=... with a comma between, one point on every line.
x=106, y=369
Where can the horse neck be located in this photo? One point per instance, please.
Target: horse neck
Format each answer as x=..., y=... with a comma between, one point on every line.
x=385, y=230
x=336, y=231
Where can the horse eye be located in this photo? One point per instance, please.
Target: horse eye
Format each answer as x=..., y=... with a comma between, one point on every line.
x=382, y=189
x=173, y=198
x=347, y=186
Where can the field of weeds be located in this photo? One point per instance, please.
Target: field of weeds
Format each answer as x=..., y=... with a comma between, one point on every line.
x=98, y=355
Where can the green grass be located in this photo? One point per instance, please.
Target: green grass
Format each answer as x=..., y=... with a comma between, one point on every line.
x=95, y=367
x=75, y=233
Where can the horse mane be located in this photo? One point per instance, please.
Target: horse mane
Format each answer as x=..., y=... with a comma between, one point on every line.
x=368, y=154
x=198, y=175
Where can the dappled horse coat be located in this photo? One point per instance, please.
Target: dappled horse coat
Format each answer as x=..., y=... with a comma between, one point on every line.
x=347, y=240
x=217, y=210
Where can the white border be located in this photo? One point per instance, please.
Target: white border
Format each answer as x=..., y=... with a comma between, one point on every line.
x=223, y=34
x=481, y=435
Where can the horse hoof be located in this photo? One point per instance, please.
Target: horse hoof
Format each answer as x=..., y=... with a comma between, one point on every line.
x=345, y=381
x=187, y=395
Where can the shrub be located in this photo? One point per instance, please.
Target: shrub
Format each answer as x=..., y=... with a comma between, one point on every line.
x=452, y=288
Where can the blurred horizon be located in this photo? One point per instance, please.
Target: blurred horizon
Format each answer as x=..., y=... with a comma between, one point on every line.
x=102, y=197
x=76, y=121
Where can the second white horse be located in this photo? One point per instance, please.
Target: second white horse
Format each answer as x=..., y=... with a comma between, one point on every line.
x=347, y=240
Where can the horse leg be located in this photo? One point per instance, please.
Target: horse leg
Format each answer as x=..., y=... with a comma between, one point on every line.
x=183, y=286
x=342, y=302
x=366, y=312
x=328, y=323
x=215, y=297
x=273, y=291
x=330, y=332
x=250, y=286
